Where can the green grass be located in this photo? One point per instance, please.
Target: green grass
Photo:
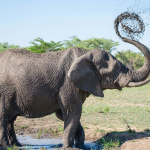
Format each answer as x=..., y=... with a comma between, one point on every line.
x=131, y=104
x=14, y=148
x=84, y=127
x=99, y=130
x=11, y=148
x=38, y=135
x=60, y=128
x=24, y=126
x=108, y=143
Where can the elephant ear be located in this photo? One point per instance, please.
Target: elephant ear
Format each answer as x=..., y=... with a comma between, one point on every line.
x=83, y=75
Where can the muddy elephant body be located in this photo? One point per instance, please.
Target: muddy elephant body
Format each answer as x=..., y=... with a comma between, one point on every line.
x=34, y=85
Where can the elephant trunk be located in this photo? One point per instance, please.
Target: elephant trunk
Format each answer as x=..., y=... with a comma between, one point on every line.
x=142, y=73
x=137, y=77
x=137, y=84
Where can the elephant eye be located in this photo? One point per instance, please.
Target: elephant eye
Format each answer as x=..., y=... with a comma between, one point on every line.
x=105, y=65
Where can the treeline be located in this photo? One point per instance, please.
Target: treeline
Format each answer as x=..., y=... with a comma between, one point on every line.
x=130, y=59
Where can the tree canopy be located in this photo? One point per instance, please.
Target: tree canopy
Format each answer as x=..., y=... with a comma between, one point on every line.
x=4, y=46
x=40, y=46
x=131, y=59
x=92, y=43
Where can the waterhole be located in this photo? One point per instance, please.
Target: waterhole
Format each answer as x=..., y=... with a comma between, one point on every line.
x=31, y=143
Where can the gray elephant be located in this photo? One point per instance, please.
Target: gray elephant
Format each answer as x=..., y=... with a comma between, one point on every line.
x=34, y=85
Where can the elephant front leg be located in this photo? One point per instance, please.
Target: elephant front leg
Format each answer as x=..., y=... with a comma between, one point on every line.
x=71, y=107
x=70, y=129
x=80, y=137
x=71, y=110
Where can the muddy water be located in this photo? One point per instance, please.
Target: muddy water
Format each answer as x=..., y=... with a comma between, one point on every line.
x=49, y=144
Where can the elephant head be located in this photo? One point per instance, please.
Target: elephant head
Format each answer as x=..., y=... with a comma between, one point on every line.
x=98, y=70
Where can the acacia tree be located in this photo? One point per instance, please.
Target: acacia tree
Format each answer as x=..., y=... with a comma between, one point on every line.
x=92, y=43
x=74, y=42
x=131, y=59
x=40, y=46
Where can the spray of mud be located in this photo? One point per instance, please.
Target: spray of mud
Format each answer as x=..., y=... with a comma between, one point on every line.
x=142, y=8
x=131, y=24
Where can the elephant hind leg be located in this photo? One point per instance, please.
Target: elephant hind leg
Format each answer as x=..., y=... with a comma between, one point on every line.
x=7, y=134
x=11, y=134
x=4, y=143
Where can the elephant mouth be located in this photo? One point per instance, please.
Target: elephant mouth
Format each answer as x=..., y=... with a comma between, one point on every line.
x=118, y=86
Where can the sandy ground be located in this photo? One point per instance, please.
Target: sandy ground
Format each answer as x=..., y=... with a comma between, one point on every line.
x=138, y=144
x=51, y=127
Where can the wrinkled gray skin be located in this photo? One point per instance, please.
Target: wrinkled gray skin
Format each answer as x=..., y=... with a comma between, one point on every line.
x=34, y=85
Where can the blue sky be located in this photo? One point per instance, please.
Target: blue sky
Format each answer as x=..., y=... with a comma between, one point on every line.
x=23, y=21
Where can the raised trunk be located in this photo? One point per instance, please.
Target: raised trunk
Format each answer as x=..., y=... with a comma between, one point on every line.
x=142, y=73
x=137, y=77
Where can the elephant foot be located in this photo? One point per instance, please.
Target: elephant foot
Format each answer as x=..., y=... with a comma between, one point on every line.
x=4, y=146
x=81, y=146
x=16, y=144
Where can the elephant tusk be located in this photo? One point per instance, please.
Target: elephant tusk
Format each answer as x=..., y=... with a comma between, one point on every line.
x=136, y=84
